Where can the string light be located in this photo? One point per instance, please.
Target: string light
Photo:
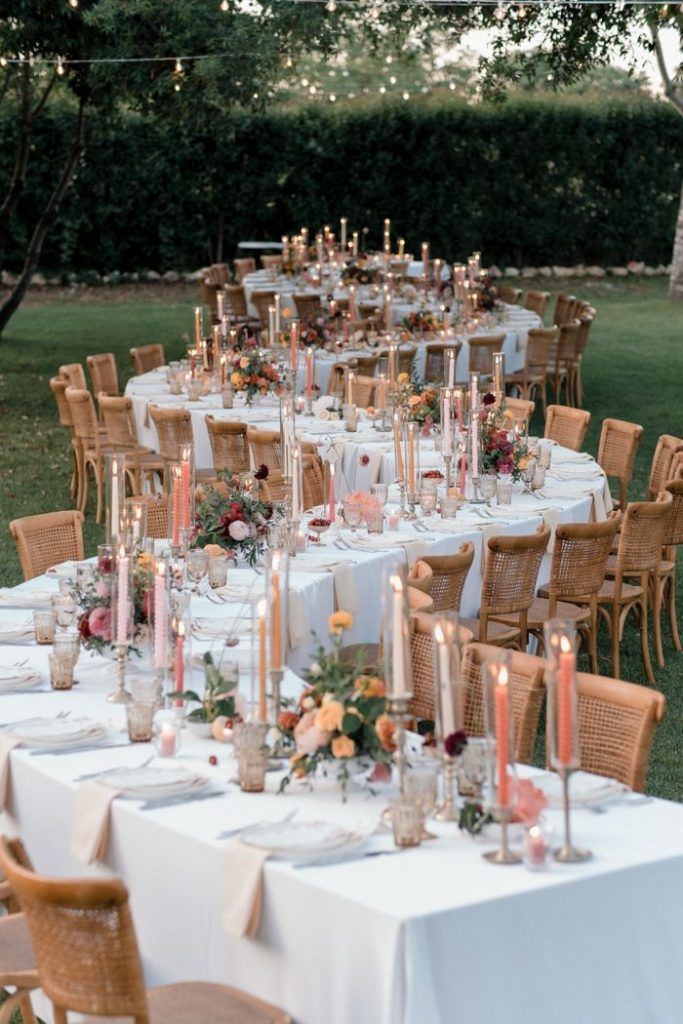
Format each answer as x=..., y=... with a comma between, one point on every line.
x=178, y=66
x=225, y=6
x=73, y=4
x=60, y=66
x=333, y=98
x=331, y=6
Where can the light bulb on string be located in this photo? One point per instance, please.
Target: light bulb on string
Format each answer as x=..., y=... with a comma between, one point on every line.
x=305, y=83
x=406, y=95
x=382, y=89
x=178, y=66
x=393, y=79
x=3, y=62
x=332, y=98
x=60, y=66
x=331, y=6
x=73, y=4
x=499, y=13
x=225, y=6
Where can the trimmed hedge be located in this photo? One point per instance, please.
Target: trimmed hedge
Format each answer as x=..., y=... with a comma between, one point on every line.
x=528, y=182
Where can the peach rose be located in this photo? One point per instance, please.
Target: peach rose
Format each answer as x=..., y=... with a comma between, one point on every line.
x=308, y=736
x=370, y=686
x=288, y=720
x=343, y=746
x=296, y=766
x=385, y=727
x=339, y=621
x=330, y=715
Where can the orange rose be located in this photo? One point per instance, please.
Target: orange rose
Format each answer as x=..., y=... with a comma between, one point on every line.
x=339, y=621
x=343, y=746
x=288, y=720
x=330, y=715
x=385, y=727
x=370, y=686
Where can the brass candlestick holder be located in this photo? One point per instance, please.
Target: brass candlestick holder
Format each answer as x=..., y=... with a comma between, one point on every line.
x=503, y=855
x=398, y=709
x=568, y=853
x=120, y=695
x=410, y=513
x=447, y=810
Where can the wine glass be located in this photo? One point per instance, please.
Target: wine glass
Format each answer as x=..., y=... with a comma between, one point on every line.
x=487, y=487
x=197, y=562
x=528, y=474
x=352, y=514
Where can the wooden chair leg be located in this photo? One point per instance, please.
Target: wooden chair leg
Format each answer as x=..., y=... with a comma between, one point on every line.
x=98, y=469
x=593, y=636
x=19, y=1000
x=85, y=488
x=657, y=586
x=615, y=641
x=26, y=1008
x=644, y=641
x=671, y=607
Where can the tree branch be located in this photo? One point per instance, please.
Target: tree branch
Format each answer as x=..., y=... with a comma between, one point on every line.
x=38, y=109
x=10, y=306
x=670, y=91
x=21, y=163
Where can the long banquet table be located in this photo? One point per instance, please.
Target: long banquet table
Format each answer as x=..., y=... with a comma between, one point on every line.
x=429, y=936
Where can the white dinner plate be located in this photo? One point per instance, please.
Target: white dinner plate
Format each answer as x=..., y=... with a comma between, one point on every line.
x=585, y=790
x=52, y=732
x=63, y=569
x=18, y=679
x=297, y=838
x=151, y=782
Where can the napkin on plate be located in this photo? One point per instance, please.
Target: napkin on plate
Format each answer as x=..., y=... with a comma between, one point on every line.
x=12, y=677
x=7, y=745
x=12, y=598
x=16, y=632
x=569, y=456
x=575, y=472
x=91, y=821
x=242, y=888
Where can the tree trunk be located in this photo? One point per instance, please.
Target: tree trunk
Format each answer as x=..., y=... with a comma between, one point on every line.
x=676, y=279
x=12, y=303
x=18, y=180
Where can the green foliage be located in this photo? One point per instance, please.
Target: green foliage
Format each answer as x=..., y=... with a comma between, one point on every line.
x=527, y=182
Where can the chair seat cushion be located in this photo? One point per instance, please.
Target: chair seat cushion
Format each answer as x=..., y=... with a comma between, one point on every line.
x=540, y=613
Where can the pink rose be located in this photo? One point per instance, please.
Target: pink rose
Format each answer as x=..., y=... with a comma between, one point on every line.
x=238, y=530
x=99, y=622
x=308, y=736
x=102, y=588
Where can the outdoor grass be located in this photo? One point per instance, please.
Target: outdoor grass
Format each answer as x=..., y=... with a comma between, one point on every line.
x=633, y=371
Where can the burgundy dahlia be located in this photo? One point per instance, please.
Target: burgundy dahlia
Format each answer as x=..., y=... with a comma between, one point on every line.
x=455, y=743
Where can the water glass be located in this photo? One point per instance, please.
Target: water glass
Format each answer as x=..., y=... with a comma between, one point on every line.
x=427, y=500
x=504, y=491
x=105, y=558
x=351, y=417
x=64, y=608
x=197, y=562
x=528, y=474
x=228, y=397
x=276, y=535
x=407, y=819
x=139, y=719
x=67, y=645
x=218, y=571
x=194, y=390
x=420, y=784
x=539, y=479
x=393, y=521
x=44, y=623
x=175, y=387
x=487, y=487
x=353, y=513
x=381, y=492
x=543, y=455
x=61, y=672
x=84, y=575
x=449, y=506
x=374, y=517
x=252, y=755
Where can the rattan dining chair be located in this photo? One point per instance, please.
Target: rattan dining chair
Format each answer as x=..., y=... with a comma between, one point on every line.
x=638, y=556
x=93, y=446
x=617, y=722
x=74, y=375
x=103, y=374
x=271, y=262
x=421, y=576
x=585, y=319
x=509, y=295
x=147, y=357
x=619, y=442
x=245, y=265
x=449, y=573
x=481, y=349
x=435, y=366
x=157, y=517
x=537, y=302
x=532, y=380
x=174, y=430
x=58, y=386
x=568, y=427
x=422, y=704
x=564, y=308
x=307, y=305
x=365, y=366
x=313, y=475
x=364, y=391
x=88, y=959
x=262, y=299
x=46, y=540
x=509, y=588
x=142, y=465
x=17, y=961
x=236, y=302
x=577, y=573
x=665, y=452
x=406, y=358
x=527, y=693
x=418, y=601
x=228, y=445
x=265, y=447
x=561, y=361
x=519, y=409
x=666, y=571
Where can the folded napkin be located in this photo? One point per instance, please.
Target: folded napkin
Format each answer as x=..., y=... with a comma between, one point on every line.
x=91, y=821
x=414, y=549
x=215, y=629
x=575, y=473
x=16, y=677
x=562, y=457
x=242, y=888
x=599, y=509
x=513, y=511
x=16, y=632
x=239, y=591
x=299, y=627
x=345, y=590
x=12, y=598
x=7, y=745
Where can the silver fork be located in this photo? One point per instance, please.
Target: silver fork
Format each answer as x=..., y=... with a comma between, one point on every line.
x=23, y=721
x=230, y=833
x=94, y=775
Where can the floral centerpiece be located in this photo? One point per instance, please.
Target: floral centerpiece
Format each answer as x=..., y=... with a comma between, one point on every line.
x=252, y=371
x=326, y=407
x=218, y=702
x=421, y=321
x=485, y=290
x=501, y=452
x=94, y=601
x=422, y=402
x=340, y=719
x=232, y=515
x=359, y=271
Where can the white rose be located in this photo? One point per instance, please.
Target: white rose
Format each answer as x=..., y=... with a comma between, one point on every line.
x=238, y=530
x=324, y=414
x=314, y=669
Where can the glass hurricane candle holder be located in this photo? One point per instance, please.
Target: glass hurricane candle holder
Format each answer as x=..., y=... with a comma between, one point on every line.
x=499, y=724
x=449, y=735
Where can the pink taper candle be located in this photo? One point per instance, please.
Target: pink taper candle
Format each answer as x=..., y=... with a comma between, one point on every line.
x=160, y=623
x=502, y=717
x=333, y=508
x=175, y=526
x=179, y=665
x=122, y=598
x=564, y=706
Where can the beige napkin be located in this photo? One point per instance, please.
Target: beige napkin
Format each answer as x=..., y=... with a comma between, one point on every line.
x=551, y=517
x=299, y=628
x=599, y=510
x=10, y=598
x=7, y=745
x=566, y=457
x=345, y=590
x=16, y=632
x=242, y=888
x=91, y=821
x=575, y=473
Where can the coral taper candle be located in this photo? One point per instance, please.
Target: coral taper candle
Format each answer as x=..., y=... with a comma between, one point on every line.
x=262, y=706
x=185, y=493
x=463, y=473
x=198, y=327
x=160, y=617
x=502, y=720
x=397, y=448
x=179, y=664
x=309, y=373
x=411, y=458
x=566, y=664
x=332, y=515
x=175, y=515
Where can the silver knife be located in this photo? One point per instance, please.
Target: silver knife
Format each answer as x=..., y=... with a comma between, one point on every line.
x=61, y=751
x=172, y=801
x=349, y=858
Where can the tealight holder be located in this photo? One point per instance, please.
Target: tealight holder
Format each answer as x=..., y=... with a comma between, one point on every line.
x=167, y=733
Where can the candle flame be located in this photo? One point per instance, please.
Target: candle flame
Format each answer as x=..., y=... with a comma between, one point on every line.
x=396, y=584
x=565, y=644
x=439, y=635
x=503, y=676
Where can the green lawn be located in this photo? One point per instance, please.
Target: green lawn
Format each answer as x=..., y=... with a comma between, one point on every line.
x=633, y=370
